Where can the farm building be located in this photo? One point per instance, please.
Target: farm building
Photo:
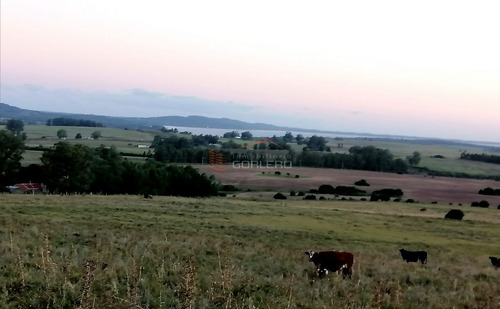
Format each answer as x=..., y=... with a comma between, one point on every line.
x=27, y=188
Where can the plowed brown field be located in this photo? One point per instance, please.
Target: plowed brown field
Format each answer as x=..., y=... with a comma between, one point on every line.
x=418, y=187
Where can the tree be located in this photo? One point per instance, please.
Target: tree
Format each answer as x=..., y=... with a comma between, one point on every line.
x=62, y=134
x=300, y=139
x=288, y=137
x=414, y=159
x=11, y=149
x=96, y=134
x=246, y=135
x=232, y=134
x=78, y=136
x=68, y=168
x=317, y=143
x=15, y=126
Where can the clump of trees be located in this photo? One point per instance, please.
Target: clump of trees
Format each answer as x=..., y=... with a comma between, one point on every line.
x=367, y=158
x=489, y=191
x=483, y=204
x=386, y=194
x=340, y=190
x=78, y=168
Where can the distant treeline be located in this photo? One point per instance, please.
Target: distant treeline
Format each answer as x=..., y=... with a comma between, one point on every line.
x=71, y=122
x=182, y=150
x=480, y=157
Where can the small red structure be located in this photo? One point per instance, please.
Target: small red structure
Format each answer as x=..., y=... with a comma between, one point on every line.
x=27, y=188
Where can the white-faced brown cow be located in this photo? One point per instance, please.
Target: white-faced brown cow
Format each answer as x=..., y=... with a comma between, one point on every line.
x=333, y=261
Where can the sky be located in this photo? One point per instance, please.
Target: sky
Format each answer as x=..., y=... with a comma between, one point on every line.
x=414, y=68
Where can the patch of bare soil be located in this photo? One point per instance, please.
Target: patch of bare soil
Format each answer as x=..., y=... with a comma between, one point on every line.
x=417, y=187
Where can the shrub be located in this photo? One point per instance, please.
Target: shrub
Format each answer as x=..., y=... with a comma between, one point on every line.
x=229, y=188
x=489, y=191
x=454, y=214
x=310, y=197
x=292, y=193
x=322, y=198
x=390, y=192
x=362, y=182
x=301, y=193
x=313, y=191
x=410, y=200
x=483, y=204
x=379, y=197
x=279, y=196
x=297, y=176
x=278, y=173
x=326, y=189
x=346, y=190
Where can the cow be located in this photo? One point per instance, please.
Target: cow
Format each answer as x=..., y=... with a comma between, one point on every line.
x=413, y=256
x=495, y=262
x=334, y=261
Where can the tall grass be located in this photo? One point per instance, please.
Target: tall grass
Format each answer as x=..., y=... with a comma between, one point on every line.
x=128, y=252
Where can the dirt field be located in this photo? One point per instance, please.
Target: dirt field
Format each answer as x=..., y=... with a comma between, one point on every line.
x=420, y=188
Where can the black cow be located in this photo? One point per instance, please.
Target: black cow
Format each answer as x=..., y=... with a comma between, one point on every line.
x=495, y=262
x=413, y=256
x=334, y=261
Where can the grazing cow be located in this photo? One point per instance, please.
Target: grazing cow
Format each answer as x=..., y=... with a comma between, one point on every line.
x=455, y=214
x=413, y=256
x=334, y=261
x=495, y=262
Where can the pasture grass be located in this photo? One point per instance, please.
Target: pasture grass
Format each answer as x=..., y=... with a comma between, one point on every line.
x=168, y=252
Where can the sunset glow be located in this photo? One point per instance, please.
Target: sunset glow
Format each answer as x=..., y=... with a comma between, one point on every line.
x=422, y=68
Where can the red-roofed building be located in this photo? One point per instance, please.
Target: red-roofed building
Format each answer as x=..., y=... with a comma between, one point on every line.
x=27, y=188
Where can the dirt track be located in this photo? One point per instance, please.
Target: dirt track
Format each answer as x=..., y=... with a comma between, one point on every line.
x=420, y=188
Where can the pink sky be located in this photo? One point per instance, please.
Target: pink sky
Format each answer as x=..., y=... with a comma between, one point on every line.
x=426, y=68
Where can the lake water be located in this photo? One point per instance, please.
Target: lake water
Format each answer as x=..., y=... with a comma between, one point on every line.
x=271, y=133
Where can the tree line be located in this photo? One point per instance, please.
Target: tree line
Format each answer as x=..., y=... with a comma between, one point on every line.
x=71, y=122
x=68, y=168
x=184, y=150
x=480, y=157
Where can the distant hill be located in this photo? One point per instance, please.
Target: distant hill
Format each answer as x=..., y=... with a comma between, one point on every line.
x=39, y=117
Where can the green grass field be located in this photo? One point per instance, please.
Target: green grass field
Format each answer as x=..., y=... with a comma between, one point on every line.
x=167, y=252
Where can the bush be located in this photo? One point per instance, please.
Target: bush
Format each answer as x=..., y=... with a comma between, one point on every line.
x=346, y=190
x=313, y=191
x=454, y=214
x=483, y=204
x=410, y=201
x=310, y=197
x=390, y=192
x=379, y=197
x=326, y=189
x=229, y=188
x=278, y=173
x=322, y=198
x=301, y=193
x=362, y=182
x=489, y=191
x=292, y=193
x=279, y=196
x=297, y=176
